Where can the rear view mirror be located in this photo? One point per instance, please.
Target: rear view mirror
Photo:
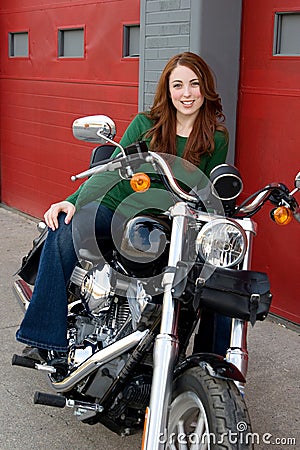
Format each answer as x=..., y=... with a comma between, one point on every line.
x=97, y=129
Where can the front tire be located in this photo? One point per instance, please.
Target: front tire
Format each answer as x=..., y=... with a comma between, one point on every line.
x=207, y=413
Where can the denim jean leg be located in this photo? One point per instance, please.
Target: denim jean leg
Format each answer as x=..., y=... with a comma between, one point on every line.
x=45, y=321
x=91, y=225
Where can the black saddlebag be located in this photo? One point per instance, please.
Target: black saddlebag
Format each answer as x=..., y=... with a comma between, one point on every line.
x=241, y=294
x=30, y=262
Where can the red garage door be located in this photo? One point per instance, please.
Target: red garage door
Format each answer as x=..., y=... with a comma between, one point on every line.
x=268, y=138
x=58, y=63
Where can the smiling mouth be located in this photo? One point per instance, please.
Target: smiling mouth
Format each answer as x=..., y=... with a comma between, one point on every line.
x=187, y=102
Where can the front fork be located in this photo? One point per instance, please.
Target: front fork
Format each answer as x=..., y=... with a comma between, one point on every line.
x=237, y=352
x=166, y=343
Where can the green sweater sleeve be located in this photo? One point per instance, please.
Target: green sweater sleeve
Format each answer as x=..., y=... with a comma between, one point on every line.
x=73, y=197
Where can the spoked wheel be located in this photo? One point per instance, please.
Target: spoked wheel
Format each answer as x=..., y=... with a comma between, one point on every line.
x=207, y=413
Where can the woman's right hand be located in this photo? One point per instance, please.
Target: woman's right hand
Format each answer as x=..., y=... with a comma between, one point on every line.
x=51, y=214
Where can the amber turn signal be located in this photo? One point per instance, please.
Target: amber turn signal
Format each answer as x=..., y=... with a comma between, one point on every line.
x=140, y=182
x=282, y=215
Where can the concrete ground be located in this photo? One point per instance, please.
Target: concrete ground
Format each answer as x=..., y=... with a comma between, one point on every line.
x=272, y=390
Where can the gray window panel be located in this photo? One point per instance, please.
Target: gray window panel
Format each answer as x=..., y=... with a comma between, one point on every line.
x=287, y=34
x=131, y=41
x=71, y=43
x=18, y=44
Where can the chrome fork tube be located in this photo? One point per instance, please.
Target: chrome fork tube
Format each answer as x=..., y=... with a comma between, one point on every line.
x=166, y=344
x=237, y=352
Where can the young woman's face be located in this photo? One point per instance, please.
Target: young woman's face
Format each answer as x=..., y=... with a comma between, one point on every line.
x=185, y=92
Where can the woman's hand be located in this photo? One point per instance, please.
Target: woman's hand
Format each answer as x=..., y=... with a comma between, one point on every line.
x=51, y=215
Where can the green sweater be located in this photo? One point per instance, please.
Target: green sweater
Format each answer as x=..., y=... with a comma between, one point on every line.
x=116, y=193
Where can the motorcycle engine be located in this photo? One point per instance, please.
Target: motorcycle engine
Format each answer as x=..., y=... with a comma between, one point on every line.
x=105, y=306
x=96, y=288
x=108, y=303
x=95, y=314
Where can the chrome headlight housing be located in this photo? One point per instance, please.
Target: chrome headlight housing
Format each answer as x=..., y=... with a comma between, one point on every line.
x=221, y=243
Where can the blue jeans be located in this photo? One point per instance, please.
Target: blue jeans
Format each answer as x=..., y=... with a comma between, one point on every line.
x=45, y=322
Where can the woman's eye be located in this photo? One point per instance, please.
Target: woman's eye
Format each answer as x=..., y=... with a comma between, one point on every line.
x=195, y=83
x=177, y=85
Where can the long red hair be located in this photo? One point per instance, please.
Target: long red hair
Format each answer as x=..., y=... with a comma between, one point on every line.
x=163, y=112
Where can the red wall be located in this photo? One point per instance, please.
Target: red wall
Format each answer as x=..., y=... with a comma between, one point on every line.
x=41, y=95
x=268, y=142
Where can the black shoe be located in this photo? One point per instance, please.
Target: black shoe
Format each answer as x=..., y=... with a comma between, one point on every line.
x=37, y=354
x=51, y=357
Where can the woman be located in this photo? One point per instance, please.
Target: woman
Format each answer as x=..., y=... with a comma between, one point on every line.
x=185, y=121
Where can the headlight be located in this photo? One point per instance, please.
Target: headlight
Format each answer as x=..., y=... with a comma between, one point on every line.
x=221, y=243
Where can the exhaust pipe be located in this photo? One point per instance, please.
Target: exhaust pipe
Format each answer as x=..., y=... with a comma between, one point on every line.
x=23, y=293
x=98, y=359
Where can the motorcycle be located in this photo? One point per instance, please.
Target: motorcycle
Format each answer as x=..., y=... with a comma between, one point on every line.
x=143, y=317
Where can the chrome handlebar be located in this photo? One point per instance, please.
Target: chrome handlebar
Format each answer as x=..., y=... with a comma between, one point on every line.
x=259, y=199
x=168, y=173
x=152, y=158
x=155, y=158
x=108, y=167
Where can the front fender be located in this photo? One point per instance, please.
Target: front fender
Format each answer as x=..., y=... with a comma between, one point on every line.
x=214, y=364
